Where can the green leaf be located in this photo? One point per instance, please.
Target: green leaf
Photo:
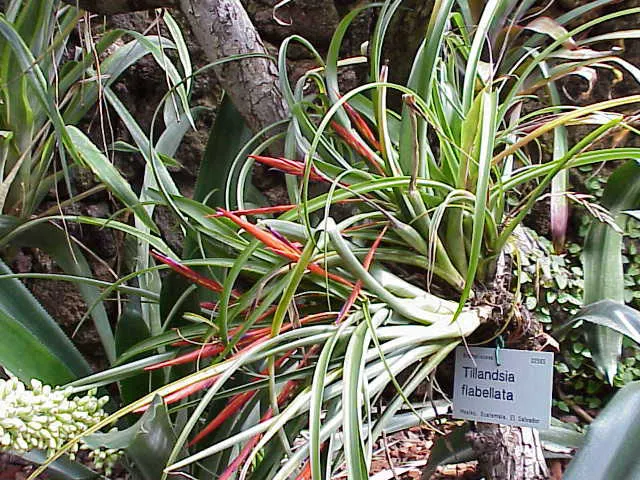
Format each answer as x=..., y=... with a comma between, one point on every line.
x=451, y=448
x=612, y=315
x=226, y=138
x=148, y=443
x=633, y=214
x=33, y=345
x=162, y=340
x=174, y=288
x=131, y=330
x=70, y=258
x=109, y=175
x=27, y=356
x=603, y=273
x=63, y=468
x=610, y=449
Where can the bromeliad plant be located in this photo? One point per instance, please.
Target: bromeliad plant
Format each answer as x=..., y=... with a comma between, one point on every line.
x=47, y=87
x=380, y=264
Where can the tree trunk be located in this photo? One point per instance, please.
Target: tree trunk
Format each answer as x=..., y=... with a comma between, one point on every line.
x=223, y=29
x=508, y=453
x=505, y=452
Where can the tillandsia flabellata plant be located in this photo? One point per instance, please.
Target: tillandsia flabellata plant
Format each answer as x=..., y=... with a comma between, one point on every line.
x=395, y=226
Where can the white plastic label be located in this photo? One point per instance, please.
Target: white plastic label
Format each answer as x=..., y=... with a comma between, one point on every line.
x=516, y=392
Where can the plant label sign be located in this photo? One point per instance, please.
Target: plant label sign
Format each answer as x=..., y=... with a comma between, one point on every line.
x=515, y=390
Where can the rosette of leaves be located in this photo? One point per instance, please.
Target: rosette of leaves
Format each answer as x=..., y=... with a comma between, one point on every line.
x=396, y=221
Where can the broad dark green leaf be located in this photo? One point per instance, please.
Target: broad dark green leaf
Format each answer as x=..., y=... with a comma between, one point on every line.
x=62, y=469
x=451, y=448
x=603, y=274
x=148, y=443
x=33, y=329
x=610, y=314
x=227, y=136
x=27, y=356
x=611, y=447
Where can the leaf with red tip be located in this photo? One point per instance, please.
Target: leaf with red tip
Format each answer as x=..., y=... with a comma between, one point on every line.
x=362, y=126
x=291, y=167
x=356, y=290
x=358, y=145
x=260, y=211
x=188, y=273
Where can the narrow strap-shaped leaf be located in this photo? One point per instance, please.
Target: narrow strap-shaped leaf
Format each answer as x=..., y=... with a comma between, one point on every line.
x=108, y=174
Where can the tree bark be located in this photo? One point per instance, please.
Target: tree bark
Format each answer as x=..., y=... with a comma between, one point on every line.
x=509, y=453
x=223, y=29
x=503, y=451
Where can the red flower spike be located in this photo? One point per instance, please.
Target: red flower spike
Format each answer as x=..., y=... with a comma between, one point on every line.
x=260, y=211
x=305, y=474
x=244, y=453
x=204, y=352
x=286, y=250
x=233, y=406
x=180, y=394
x=291, y=167
x=361, y=125
x=366, y=264
x=246, y=450
x=358, y=145
x=284, y=394
x=190, y=274
x=250, y=338
x=265, y=237
x=273, y=209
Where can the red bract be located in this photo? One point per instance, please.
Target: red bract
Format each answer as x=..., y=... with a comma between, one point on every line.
x=358, y=145
x=203, y=352
x=291, y=167
x=284, y=394
x=356, y=290
x=182, y=393
x=362, y=126
x=234, y=405
x=260, y=211
x=190, y=274
x=284, y=249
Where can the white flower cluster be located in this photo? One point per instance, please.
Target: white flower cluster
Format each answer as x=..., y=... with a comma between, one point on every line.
x=46, y=418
